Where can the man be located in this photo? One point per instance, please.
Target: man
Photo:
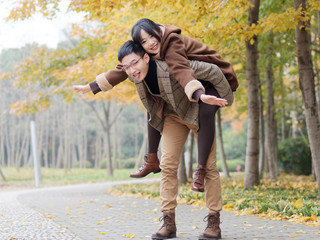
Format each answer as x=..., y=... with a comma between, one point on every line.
x=172, y=114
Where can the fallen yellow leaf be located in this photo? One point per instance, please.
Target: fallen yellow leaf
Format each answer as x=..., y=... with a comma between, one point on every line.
x=101, y=233
x=292, y=236
x=109, y=206
x=298, y=204
x=300, y=231
x=129, y=235
x=68, y=208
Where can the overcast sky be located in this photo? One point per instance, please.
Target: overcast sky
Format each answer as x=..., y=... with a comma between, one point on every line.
x=37, y=29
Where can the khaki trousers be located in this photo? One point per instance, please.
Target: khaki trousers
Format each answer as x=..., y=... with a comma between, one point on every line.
x=174, y=136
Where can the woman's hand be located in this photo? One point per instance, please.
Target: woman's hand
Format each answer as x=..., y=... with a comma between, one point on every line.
x=82, y=88
x=212, y=100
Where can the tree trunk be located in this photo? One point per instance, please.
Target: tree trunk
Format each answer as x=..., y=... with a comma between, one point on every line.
x=190, y=154
x=262, y=156
x=2, y=144
x=307, y=86
x=252, y=151
x=182, y=173
x=106, y=110
x=283, y=109
x=2, y=175
x=318, y=68
x=143, y=148
x=46, y=141
x=271, y=138
x=225, y=169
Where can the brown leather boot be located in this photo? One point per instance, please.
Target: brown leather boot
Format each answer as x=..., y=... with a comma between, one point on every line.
x=198, y=179
x=151, y=164
x=212, y=231
x=168, y=229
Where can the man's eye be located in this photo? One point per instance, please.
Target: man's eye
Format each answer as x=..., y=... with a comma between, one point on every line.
x=134, y=63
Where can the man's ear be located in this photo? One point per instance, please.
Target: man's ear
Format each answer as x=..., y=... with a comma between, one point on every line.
x=146, y=57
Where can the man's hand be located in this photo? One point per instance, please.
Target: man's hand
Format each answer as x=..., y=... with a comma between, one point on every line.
x=212, y=100
x=82, y=88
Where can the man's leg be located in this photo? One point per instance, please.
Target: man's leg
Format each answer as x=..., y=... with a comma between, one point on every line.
x=174, y=136
x=212, y=188
x=151, y=161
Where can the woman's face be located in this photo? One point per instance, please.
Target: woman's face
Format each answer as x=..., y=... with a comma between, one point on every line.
x=150, y=43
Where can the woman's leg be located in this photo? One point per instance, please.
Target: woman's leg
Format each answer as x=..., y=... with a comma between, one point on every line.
x=207, y=128
x=154, y=137
x=206, y=136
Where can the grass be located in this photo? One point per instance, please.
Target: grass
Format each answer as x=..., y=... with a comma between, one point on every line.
x=292, y=198
x=24, y=177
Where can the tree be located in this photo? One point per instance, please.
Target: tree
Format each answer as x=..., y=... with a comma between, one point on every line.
x=220, y=139
x=307, y=86
x=252, y=75
x=271, y=124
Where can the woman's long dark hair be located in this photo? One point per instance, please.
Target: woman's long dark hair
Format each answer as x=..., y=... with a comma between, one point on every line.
x=147, y=25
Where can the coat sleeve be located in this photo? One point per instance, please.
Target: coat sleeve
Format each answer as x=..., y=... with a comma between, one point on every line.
x=107, y=80
x=177, y=60
x=212, y=73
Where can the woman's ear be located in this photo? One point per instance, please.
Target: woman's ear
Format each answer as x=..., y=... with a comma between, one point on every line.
x=146, y=57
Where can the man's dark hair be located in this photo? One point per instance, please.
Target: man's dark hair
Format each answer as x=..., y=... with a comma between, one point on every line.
x=147, y=25
x=128, y=48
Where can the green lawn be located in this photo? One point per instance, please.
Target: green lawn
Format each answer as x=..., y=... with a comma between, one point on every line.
x=24, y=177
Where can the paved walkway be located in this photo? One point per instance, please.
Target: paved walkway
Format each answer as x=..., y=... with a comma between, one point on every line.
x=87, y=212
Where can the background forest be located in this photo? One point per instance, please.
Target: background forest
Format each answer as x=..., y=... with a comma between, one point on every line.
x=273, y=125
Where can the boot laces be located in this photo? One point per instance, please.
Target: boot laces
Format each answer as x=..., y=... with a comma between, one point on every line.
x=142, y=167
x=198, y=174
x=166, y=220
x=144, y=163
x=212, y=220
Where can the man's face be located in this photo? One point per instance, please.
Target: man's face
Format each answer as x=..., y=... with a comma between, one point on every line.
x=136, y=66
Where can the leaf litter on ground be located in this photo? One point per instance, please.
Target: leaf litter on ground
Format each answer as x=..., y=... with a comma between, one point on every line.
x=290, y=198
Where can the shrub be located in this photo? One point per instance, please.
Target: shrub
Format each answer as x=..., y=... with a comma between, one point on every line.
x=103, y=164
x=232, y=165
x=294, y=156
x=84, y=164
x=128, y=163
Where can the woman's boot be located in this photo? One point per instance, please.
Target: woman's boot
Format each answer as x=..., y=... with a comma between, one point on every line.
x=151, y=164
x=198, y=179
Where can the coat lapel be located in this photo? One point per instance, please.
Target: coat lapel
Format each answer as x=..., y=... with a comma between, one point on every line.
x=164, y=79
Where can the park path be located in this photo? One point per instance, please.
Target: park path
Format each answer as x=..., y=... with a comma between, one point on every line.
x=88, y=212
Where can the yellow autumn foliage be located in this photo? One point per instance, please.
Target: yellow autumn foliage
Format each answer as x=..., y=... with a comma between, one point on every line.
x=220, y=24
